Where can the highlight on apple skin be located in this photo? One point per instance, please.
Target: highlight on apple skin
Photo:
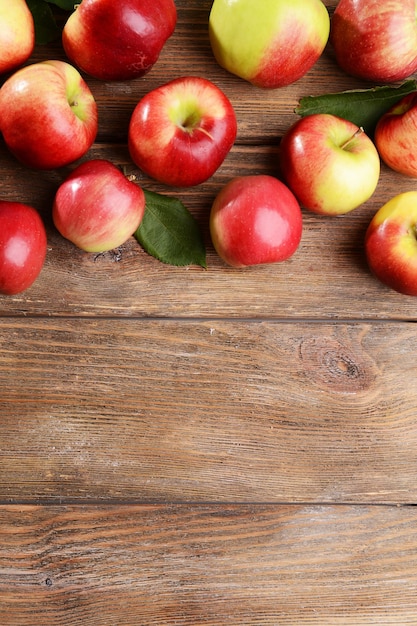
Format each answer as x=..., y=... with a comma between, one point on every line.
x=375, y=40
x=17, y=34
x=255, y=220
x=97, y=207
x=118, y=40
x=329, y=163
x=269, y=43
x=391, y=243
x=181, y=132
x=23, y=246
x=48, y=115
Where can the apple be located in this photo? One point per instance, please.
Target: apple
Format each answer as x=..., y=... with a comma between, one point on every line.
x=22, y=246
x=396, y=136
x=97, y=207
x=329, y=163
x=115, y=40
x=17, y=34
x=181, y=132
x=391, y=243
x=269, y=43
x=48, y=115
x=375, y=39
x=254, y=220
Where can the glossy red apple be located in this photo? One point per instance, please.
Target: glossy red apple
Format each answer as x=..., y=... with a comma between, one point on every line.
x=375, y=39
x=118, y=40
x=17, y=34
x=396, y=136
x=97, y=207
x=22, y=246
x=181, y=132
x=329, y=163
x=255, y=220
x=48, y=115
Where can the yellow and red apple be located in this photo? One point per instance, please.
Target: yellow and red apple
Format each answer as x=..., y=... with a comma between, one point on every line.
x=97, y=207
x=17, y=34
x=48, y=115
x=375, y=39
x=181, y=132
x=391, y=243
x=270, y=43
x=329, y=163
x=396, y=136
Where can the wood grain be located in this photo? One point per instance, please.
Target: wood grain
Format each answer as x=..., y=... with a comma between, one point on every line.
x=190, y=565
x=210, y=411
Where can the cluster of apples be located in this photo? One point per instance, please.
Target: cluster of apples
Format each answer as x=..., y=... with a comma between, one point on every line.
x=181, y=132
x=329, y=165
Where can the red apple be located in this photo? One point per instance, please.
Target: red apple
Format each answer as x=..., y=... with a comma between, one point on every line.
x=181, y=132
x=22, y=246
x=375, y=39
x=48, y=115
x=270, y=43
x=391, y=243
x=396, y=136
x=329, y=163
x=97, y=208
x=17, y=34
x=255, y=220
x=118, y=40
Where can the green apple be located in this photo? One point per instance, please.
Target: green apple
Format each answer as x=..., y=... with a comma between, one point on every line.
x=270, y=43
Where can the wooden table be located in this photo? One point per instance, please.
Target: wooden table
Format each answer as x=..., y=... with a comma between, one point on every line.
x=219, y=446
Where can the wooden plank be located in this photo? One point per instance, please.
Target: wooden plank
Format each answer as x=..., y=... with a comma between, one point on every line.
x=207, y=411
x=202, y=565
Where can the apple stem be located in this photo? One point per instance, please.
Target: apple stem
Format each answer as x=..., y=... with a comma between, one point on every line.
x=348, y=141
x=203, y=130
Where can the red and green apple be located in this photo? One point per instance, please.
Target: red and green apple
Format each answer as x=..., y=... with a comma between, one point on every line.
x=181, y=132
x=329, y=163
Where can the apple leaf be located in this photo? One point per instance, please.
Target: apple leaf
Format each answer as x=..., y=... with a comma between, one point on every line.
x=46, y=27
x=67, y=5
x=363, y=107
x=170, y=233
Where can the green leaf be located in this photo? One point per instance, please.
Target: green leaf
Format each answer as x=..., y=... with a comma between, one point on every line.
x=67, y=5
x=363, y=107
x=46, y=29
x=170, y=233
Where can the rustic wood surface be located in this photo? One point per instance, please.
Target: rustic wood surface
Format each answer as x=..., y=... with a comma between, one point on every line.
x=218, y=446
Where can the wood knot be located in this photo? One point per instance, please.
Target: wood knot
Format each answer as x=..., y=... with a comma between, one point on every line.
x=331, y=364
